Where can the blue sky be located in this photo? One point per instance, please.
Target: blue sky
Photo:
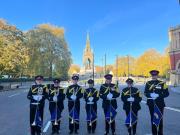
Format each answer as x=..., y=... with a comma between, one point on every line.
x=116, y=26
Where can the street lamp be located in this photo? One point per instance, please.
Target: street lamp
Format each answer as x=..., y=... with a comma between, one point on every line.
x=105, y=63
x=117, y=69
x=93, y=65
x=128, y=64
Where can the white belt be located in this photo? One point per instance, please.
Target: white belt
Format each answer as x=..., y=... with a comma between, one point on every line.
x=35, y=103
x=90, y=103
x=52, y=101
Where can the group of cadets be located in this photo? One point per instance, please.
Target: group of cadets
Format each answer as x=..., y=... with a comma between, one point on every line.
x=155, y=91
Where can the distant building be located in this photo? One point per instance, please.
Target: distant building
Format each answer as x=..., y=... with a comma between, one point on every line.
x=174, y=39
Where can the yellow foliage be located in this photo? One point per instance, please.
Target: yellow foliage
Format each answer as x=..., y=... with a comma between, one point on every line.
x=14, y=56
x=57, y=31
x=99, y=69
x=74, y=69
x=149, y=60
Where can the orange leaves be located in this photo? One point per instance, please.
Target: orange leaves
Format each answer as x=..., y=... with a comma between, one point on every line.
x=57, y=31
x=150, y=59
x=74, y=69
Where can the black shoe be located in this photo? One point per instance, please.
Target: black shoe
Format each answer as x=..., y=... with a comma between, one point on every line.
x=76, y=132
x=58, y=132
x=33, y=134
x=106, y=133
x=39, y=133
x=70, y=132
x=89, y=131
x=53, y=132
x=113, y=133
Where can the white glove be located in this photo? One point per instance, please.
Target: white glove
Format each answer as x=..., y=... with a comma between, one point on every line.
x=158, y=87
x=109, y=96
x=37, y=97
x=131, y=99
x=73, y=97
x=90, y=99
x=154, y=95
x=55, y=98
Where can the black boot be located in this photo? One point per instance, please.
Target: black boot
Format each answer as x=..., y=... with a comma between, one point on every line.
x=53, y=132
x=76, y=132
x=106, y=133
x=71, y=132
x=58, y=132
x=89, y=131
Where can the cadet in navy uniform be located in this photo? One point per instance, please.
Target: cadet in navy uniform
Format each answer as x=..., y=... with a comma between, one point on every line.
x=109, y=92
x=56, y=104
x=37, y=95
x=91, y=96
x=74, y=93
x=131, y=98
x=156, y=91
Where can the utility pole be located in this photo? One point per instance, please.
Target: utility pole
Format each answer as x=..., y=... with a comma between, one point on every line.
x=117, y=67
x=102, y=66
x=93, y=65
x=105, y=63
x=128, y=64
x=117, y=70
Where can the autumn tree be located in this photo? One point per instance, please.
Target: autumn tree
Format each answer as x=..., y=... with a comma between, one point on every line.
x=74, y=69
x=13, y=52
x=99, y=69
x=140, y=66
x=49, y=52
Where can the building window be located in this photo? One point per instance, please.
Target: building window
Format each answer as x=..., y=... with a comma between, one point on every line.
x=179, y=41
x=176, y=44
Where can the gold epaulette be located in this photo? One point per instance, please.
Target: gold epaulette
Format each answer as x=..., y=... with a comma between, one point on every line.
x=140, y=95
x=53, y=91
x=71, y=90
x=125, y=93
x=63, y=90
x=104, y=86
x=151, y=87
x=116, y=88
x=128, y=93
x=33, y=90
x=91, y=94
x=165, y=86
x=97, y=94
x=81, y=89
x=160, y=83
x=107, y=90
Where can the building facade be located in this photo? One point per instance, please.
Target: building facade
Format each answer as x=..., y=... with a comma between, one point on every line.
x=174, y=39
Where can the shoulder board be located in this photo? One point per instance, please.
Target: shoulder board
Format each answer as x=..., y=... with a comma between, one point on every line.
x=71, y=90
x=126, y=93
x=165, y=86
x=103, y=86
x=52, y=91
x=161, y=82
x=148, y=83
